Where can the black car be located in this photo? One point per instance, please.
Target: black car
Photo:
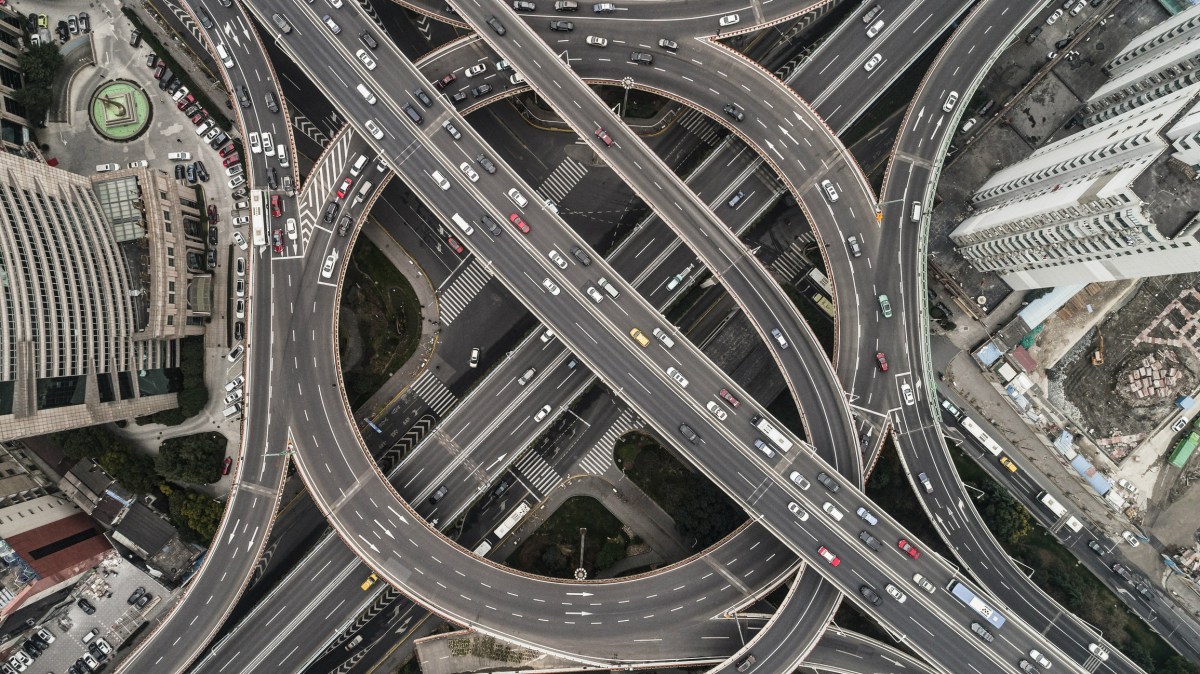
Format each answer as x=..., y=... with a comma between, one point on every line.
x=201, y=172
x=331, y=211
x=496, y=25
x=239, y=330
x=641, y=57
x=33, y=21
x=272, y=104
x=174, y=86
x=212, y=235
x=1061, y=44
x=151, y=60
x=828, y=482
x=94, y=649
x=733, y=112
x=458, y=97
x=1096, y=547
x=272, y=178
x=135, y=39
x=137, y=594
x=870, y=595
x=220, y=140
x=481, y=90
x=423, y=97
x=486, y=163
x=191, y=173
x=143, y=600
x=562, y=26
x=86, y=605
x=212, y=259
x=243, y=96
x=180, y=172
x=368, y=40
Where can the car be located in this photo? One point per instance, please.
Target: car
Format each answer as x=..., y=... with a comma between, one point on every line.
x=852, y=245
x=596, y=41
x=641, y=57
x=885, y=306
x=476, y=69
x=779, y=338
x=594, y=294
x=908, y=548
x=239, y=308
x=85, y=22
x=1008, y=464
x=924, y=480
x=796, y=510
x=486, y=163
x=440, y=180
x=875, y=29
x=550, y=286
x=557, y=259
x=733, y=112
x=331, y=261
x=159, y=69
x=1179, y=424
x=367, y=39
x=103, y=645
x=290, y=225
x=799, y=480
x=951, y=101
x=1127, y=486
x=230, y=160
x=344, y=189
x=331, y=24
x=728, y=397
x=277, y=203
x=1098, y=651
x=728, y=20
x=982, y=632
x=1130, y=539
x=566, y=6
x=716, y=410
x=277, y=240
x=446, y=81
x=872, y=62
x=829, y=556
x=373, y=129
x=458, y=97
x=1036, y=656
x=907, y=392
x=495, y=25
x=1095, y=547
x=137, y=594
x=881, y=359
x=1054, y=17
x=870, y=595
x=828, y=482
x=474, y=361
x=604, y=137
x=255, y=145
x=213, y=232
x=45, y=635
x=518, y=223
x=234, y=396
x=86, y=605
x=562, y=26
x=832, y=511
x=745, y=663
x=452, y=130
x=830, y=193
x=923, y=583
x=365, y=58
x=1078, y=7
x=239, y=330
x=481, y=90
x=241, y=220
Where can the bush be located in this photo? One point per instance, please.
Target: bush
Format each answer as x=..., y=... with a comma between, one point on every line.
x=196, y=515
x=192, y=458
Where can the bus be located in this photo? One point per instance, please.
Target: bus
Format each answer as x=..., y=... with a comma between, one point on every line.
x=980, y=435
x=772, y=433
x=511, y=521
x=1052, y=503
x=966, y=596
x=824, y=303
x=258, y=222
x=820, y=280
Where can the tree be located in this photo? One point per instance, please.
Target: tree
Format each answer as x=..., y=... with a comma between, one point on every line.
x=196, y=515
x=1008, y=520
x=192, y=458
x=40, y=64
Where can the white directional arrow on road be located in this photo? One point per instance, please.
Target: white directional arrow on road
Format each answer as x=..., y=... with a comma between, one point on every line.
x=368, y=543
x=385, y=530
x=578, y=613
x=579, y=594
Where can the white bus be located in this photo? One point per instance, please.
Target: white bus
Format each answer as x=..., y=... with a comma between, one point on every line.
x=511, y=521
x=1053, y=504
x=979, y=434
x=772, y=433
x=258, y=222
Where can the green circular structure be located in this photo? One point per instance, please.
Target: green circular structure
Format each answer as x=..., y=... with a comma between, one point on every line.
x=120, y=110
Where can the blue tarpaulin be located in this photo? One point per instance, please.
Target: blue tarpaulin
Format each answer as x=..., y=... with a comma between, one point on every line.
x=1089, y=473
x=988, y=354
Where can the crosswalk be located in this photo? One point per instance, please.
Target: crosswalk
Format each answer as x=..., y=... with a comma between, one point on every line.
x=701, y=126
x=429, y=388
x=456, y=293
x=562, y=179
x=329, y=169
x=600, y=457
x=534, y=469
x=792, y=263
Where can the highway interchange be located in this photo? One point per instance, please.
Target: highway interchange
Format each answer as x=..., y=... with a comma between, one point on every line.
x=580, y=322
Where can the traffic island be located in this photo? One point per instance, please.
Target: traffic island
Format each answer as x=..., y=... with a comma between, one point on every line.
x=120, y=110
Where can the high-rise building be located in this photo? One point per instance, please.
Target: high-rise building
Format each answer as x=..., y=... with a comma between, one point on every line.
x=14, y=125
x=1159, y=61
x=100, y=278
x=1099, y=205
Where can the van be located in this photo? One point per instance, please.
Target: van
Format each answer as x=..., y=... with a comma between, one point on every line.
x=968, y=125
x=232, y=410
x=518, y=198
x=366, y=94
x=358, y=165
x=281, y=151
x=226, y=59
x=608, y=288
x=664, y=337
x=105, y=168
x=527, y=376
x=362, y=192
x=737, y=199
x=413, y=114
x=462, y=224
x=179, y=156
x=581, y=255
x=916, y=211
x=639, y=337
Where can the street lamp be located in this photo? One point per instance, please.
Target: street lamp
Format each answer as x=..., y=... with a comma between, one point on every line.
x=627, y=84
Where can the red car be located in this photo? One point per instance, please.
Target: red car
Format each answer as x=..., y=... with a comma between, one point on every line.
x=444, y=82
x=277, y=240
x=829, y=556
x=212, y=213
x=879, y=358
x=519, y=223
x=344, y=188
x=908, y=547
x=199, y=117
x=159, y=69
x=733, y=402
x=604, y=137
x=227, y=465
x=276, y=206
x=227, y=150
x=185, y=101
x=230, y=160
x=455, y=245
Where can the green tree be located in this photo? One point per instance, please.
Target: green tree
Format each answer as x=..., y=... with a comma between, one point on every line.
x=39, y=64
x=192, y=458
x=1008, y=520
x=612, y=552
x=196, y=515
x=133, y=470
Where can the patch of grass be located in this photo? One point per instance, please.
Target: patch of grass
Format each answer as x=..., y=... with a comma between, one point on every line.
x=702, y=512
x=389, y=319
x=553, y=550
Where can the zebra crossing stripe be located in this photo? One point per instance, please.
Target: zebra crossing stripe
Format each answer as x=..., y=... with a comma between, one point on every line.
x=562, y=179
x=464, y=288
x=539, y=473
x=599, y=457
x=700, y=126
x=429, y=388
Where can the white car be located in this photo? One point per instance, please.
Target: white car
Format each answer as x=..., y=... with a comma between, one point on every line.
x=557, y=259
x=596, y=41
x=799, y=480
x=1130, y=539
x=104, y=646
x=45, y=635
x=373, y=128
x=236, y=382
x=541, y=413
x=255, y=145
x=268, y=144
x=1054, y=17
x=833, y=511
x=1098, y=651
x=830, y=192
x=440, y=180
x=797, y=511
x=468, y=172
x=241, y=220
x=327, y=268
x=717, y=411
x=365, y=58
x=1036, y=656
x=290, y=225
x=594, y=294
x=476, y=69
x=951, y=101
x=896, y=593
x=550, y=286
x=141, y=163
x=874, y=61
x=875, y=28
x=212, y=133
x=240, y=266
x=204, y=127
x=240, y=240
x=907, y=392
x=239, y=309
x=233, y=396
x=729, y=20
x=1127, y=486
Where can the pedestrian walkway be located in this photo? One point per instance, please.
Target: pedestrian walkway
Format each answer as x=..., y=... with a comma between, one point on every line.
x=458, y=291
x=701, y=126
x=429, y=388
x=600, y=457
x=534, y=470
x=792, y=263
x=562, y=179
